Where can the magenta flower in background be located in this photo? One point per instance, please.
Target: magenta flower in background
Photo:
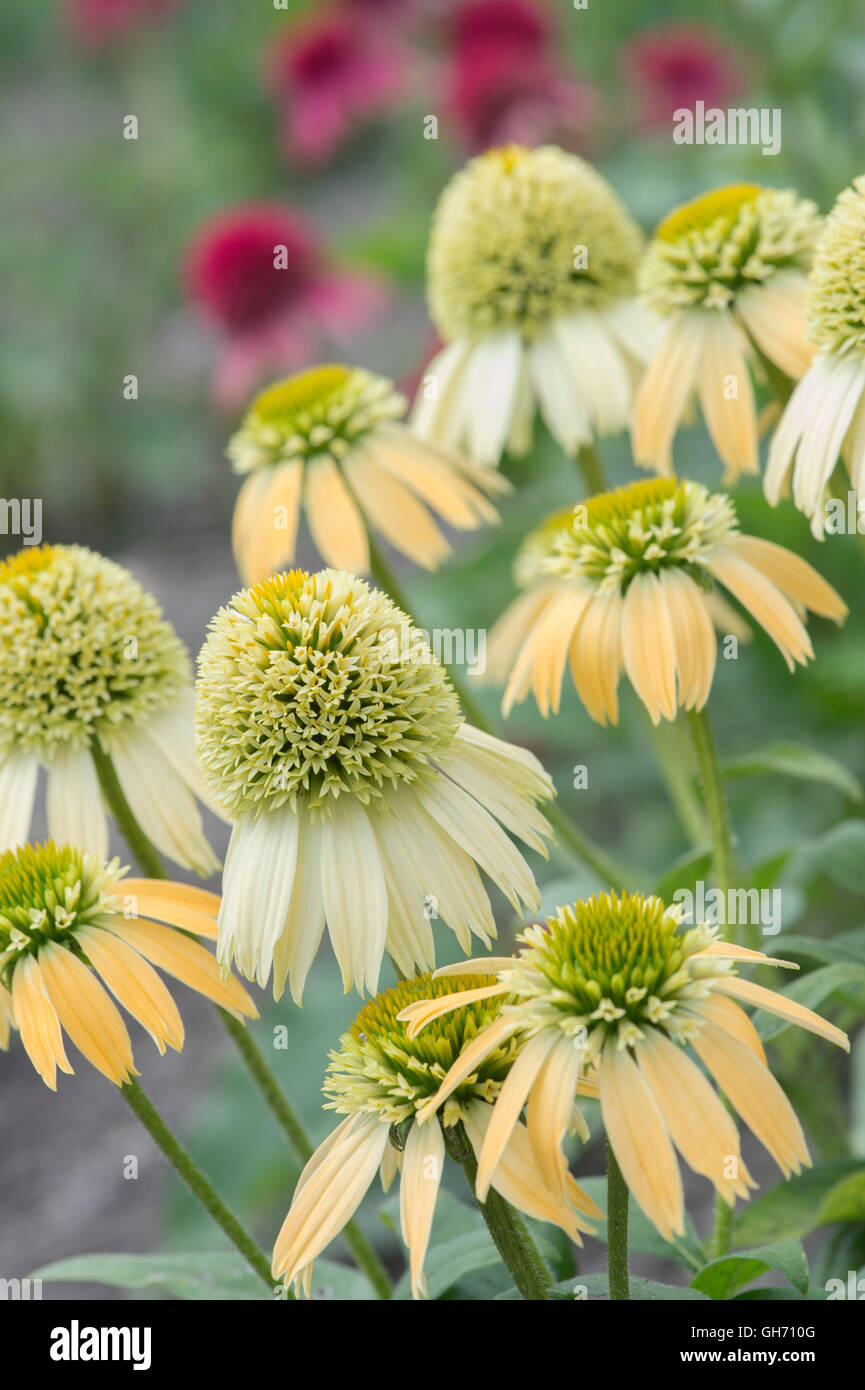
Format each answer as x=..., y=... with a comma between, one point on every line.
x=261, y=276
x=518, y=25
x=676, y=65
x=499, y=98
x=98, y=22
x=503, y=81
x=329, y=76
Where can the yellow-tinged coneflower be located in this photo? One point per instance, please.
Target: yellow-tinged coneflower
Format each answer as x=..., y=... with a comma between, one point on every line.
x=531, y=283
x=66, y=918
x=728, y=273
x=89, y=665
x=379, y=1079
x=614, y=990
x=330, y=440
x=627, y=581
x=825, y=416
x=333, y=738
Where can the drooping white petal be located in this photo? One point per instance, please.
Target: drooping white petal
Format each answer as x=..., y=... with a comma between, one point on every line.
x=74, y=808
x=257, y=888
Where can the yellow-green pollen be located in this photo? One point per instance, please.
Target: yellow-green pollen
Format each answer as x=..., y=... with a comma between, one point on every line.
x=711, y=248
x=644, y=527
x=612, y=968
x=836, y=304
x=703, y=212
x=379, y=1070
x=83, y=650
x=521, y=236
x=323, y=412
x=317, y=685
x=47, y=893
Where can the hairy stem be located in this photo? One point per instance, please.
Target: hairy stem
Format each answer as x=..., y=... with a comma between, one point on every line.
x=196, y=1181
x=507, y=1228
x=617, y=1229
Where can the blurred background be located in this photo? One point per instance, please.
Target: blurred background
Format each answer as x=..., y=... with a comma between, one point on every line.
x=153, y=152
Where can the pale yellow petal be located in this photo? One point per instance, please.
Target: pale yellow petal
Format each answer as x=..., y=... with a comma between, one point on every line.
x=640, y=1141
x=37, y=1021
x=423, y=1161
x=87, y=1014
x=782, y=1007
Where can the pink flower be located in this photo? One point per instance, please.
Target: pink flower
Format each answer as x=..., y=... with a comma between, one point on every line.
x=260, y=275
x=503, y=82
x=515, y=24
x=499, y=98
x=97, y=22
x=329, y=76
x=672, y=67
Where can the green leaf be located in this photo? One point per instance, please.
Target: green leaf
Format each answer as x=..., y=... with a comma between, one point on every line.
x=684, y=873
x=790, y=1207
x=723, y=1277
x=840, y=855
x=215, y=1275
x=583, y=1286
x=811, y=990
x=447, y=1263
x=848, y=946
x=795, y=760
x=844, y=1202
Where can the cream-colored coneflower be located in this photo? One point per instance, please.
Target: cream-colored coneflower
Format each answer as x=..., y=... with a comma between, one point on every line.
x=625, y=581
x=331, y=440
x=728, y=273
x=825, y=416
x=89, y=666
x=531, y=283
x=333, y=738
x=67, y=917
x=379, y=1079
x=614, y=989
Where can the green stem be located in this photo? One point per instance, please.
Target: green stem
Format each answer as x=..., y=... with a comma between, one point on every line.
x=364, y=1255
x=258, y=1069
x=714, y=798
x=586, y=850
x=592, y=469
x=722, y=1231
x=667, y=740
x=509, y=1232
x=617, y=1229
x=196, y=1181
x=609, y=871
x=724, y=858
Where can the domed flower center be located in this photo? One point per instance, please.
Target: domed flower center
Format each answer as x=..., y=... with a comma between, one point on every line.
x=324, y=412
x=836, y=305
x=317, y=686
x=612, y=967
x=643, y=527
x=48, y=893
x=83, y=649
x=378, y=1069
x=721, y=205
x=521, y=236
x=723, y=241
